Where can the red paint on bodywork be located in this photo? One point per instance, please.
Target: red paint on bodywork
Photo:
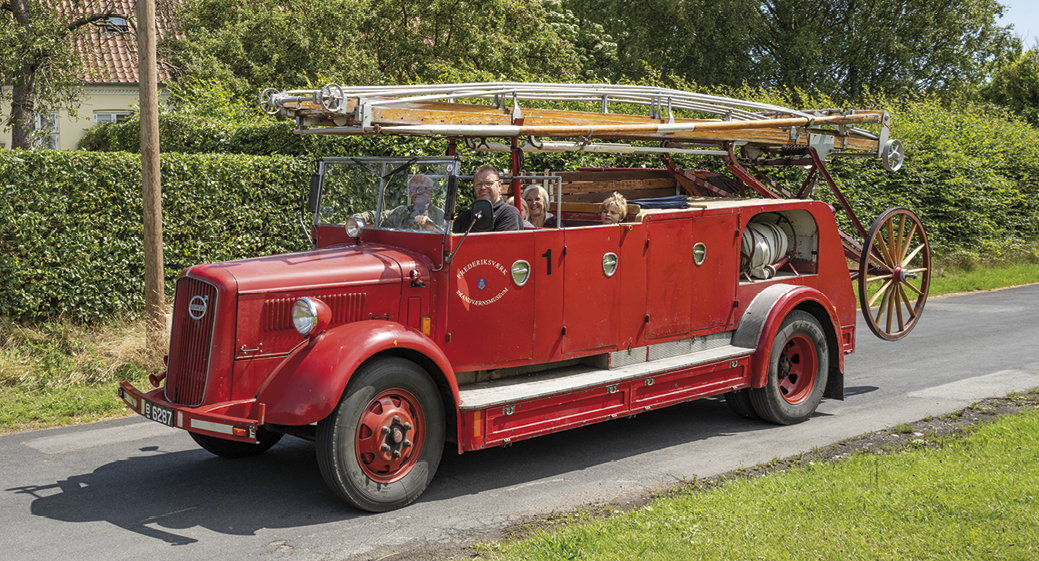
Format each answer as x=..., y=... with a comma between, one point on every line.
x=483, y=320
x=783, y=306
x=307, y=386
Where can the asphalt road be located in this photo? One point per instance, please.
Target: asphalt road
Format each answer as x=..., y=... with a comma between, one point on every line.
x=133, y=489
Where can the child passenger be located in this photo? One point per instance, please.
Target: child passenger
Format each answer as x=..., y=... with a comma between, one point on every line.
x=524, y=211
x=614, y=209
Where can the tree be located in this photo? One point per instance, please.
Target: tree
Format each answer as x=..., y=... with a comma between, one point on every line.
x=39, y=59
x=595, y=49
x=454, y=40
x=843, y=48
x=255, y=44
x=847, y=47
x=705, y=42
x=1015, y=85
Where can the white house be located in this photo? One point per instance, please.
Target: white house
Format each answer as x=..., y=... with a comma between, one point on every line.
x=110, y=84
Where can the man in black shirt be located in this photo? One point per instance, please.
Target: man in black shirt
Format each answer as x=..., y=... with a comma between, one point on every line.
x=487, y=185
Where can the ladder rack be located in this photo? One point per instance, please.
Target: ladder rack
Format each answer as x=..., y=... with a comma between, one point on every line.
x=676, y=121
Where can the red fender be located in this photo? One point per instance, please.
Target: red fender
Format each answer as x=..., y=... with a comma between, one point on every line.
x=307, y=386
x=764, y=315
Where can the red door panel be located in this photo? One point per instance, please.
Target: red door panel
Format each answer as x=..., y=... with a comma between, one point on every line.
x=490, y=316
x=669, y=294
x=714, y=281
x=590, y=297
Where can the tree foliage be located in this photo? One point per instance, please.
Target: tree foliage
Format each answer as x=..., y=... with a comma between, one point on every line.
x=1015, y=85
x=850, y=47
x=704, y=41
x=844, y=48
x=255, y=44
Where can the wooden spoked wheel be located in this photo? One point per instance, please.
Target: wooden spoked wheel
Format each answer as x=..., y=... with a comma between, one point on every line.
x=894, y=274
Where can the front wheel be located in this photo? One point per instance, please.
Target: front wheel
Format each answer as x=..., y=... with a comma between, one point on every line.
x=233, y=449
x=798, y=368
x=380, y=447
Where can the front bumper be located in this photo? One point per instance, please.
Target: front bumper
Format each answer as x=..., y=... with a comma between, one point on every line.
x=230, y=420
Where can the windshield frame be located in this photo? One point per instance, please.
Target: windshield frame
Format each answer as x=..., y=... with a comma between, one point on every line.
x=384, y=169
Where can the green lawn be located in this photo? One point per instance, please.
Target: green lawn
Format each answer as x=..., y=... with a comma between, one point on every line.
x=985, y=279
x=960, y=497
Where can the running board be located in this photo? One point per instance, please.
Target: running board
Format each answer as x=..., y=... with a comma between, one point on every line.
x=624, y=366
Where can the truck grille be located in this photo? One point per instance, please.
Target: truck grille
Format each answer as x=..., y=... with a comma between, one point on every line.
x=190, y=342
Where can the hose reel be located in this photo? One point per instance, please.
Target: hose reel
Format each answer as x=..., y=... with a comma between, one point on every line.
x=762, y=248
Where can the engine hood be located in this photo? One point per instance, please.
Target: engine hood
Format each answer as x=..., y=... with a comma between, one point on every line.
x=340, y=266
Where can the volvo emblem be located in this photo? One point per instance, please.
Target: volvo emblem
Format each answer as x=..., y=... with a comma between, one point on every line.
x=197, y=307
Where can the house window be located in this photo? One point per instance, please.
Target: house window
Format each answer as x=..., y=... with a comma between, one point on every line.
x=47, y=131
x=111, y=116
x=116, y=25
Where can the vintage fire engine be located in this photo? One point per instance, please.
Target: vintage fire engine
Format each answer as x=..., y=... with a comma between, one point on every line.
x=395, y=334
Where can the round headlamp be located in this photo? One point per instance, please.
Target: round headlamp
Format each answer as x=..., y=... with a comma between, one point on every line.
x=310, y=316
x=354, y=225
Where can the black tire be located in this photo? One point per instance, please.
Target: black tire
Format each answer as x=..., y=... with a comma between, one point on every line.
x=797, y=372
x=739, y=402
x=382, y=444
x=232, y=449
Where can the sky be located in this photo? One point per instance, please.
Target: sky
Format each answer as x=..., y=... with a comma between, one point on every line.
x=1024, y=14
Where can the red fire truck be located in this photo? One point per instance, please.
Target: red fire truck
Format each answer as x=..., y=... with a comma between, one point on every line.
x=407, y=327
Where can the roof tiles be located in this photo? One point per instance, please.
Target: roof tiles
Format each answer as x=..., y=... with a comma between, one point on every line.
x=110, y=51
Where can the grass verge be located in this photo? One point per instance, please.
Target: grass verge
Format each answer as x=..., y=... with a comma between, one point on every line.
x=60, y=374
x=985, y=279
x=969, y=495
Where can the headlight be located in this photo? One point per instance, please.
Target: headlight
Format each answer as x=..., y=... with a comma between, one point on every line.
x=310, y=316
x=354, y=225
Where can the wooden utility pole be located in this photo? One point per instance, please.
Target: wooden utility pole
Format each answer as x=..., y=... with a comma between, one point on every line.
x=151, y=188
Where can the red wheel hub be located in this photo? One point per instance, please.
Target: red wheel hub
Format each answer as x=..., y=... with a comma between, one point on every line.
x=798, y=367
x=390, y=435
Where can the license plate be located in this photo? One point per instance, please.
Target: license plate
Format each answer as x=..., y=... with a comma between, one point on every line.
x=158, y=413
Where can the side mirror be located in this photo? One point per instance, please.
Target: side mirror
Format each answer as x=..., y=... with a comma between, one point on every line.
x=483, y=215
x=483, y=220
x=315, y=192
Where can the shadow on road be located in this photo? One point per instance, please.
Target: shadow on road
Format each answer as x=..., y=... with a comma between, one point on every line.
x=157, y=493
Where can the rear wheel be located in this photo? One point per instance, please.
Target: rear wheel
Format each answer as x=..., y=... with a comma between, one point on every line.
x=232, y=449
x=739, y=402
x=798, y=367
x=382, y=444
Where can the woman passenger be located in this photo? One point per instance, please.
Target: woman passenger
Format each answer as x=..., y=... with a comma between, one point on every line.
x=537, y=199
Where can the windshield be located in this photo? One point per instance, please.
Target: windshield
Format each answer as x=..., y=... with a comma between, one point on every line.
x=388, y=193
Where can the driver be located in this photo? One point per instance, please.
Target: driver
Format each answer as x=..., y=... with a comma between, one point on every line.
x=420, y=214
x=487, y=185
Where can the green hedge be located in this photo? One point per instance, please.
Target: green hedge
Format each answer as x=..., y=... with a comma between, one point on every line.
x=972, y=177
x=71, y=237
